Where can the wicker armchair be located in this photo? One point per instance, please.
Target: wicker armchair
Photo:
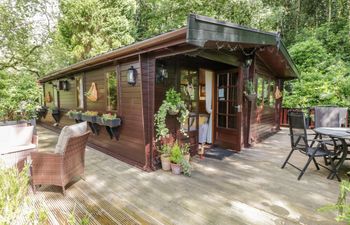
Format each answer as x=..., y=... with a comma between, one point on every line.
x=59, y=169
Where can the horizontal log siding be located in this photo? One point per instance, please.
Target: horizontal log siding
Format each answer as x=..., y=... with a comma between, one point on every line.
x=68, y=98
x=130, y=146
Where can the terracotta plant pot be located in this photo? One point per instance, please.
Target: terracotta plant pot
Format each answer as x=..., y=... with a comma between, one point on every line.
x=165, y=160
x=176, y=169
x=187, y=157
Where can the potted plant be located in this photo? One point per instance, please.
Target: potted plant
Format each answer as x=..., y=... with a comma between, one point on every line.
x=55, y=112
x=99, y=121
x=89, y=116
x=165, y=151
x=173, y=98
x=111, y=120
x=73, y=114
x=175, y=158
x=185, y=150
x=41, y=111
x=171, y=105
x=249, y=92
x=186, y=167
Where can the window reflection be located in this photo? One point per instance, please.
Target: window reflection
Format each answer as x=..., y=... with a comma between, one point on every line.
x=111, y=78
x=189, y=93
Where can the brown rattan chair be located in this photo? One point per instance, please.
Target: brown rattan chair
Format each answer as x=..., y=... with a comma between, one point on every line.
x=59, y=169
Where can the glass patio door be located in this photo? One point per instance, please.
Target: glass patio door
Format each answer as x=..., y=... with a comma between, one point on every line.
x=228, y=110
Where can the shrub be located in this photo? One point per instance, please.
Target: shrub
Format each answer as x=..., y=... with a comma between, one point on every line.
x=176, y=154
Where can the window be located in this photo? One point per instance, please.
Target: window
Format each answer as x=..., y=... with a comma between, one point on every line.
x=260, y=86
x=112, y=94
x=79, y=92
x=272, y=92
x=55, y=97
x=189, y=93
x=266, y=92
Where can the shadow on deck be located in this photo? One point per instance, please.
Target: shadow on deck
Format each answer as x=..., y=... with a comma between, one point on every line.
x=244, y=188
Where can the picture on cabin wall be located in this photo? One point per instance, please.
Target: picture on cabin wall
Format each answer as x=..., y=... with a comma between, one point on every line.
x=202, y=92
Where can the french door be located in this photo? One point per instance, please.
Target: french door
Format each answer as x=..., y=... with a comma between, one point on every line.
x=228, y=109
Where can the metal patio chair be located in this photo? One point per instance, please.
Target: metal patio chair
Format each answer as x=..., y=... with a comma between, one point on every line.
x=300, y=142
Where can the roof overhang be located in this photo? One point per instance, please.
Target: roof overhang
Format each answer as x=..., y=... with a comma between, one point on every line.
x=202, y=30
x=175, y=37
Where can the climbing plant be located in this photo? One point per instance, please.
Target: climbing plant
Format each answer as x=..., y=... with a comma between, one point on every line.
x=172, y=102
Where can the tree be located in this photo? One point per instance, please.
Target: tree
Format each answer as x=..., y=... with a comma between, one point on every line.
x=21, y=34
x=90, y=27
x=323, y=77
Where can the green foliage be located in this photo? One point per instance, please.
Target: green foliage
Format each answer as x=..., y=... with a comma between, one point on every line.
x=14, y=203
x=323, y=77
x=70, y=113
x=19, y=96
x=109, y=116
x=165, y=149
x=172, y=102
x=90, y=113
x=249, y=87
x=176, y=155
x=73, y=220
x=89, y=27
x=173, y=97
x=185, y=149
x=186, y=167
x=341, y=206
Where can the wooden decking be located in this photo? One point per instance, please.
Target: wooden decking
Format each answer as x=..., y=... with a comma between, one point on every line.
x=246, y=188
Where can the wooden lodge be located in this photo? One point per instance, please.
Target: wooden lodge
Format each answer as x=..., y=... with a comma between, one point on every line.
x=216, y=66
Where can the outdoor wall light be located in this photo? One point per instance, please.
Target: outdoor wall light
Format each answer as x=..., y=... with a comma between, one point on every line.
x=162, y=73
x=132, y=73
x=248, y=62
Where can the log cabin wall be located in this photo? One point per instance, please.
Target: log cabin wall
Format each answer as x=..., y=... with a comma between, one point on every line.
x=264, y=110
x=130, y=146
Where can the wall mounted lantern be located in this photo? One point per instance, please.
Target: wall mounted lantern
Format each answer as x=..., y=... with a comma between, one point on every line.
x=132, y=73
x=163, y=73
x=248, y=62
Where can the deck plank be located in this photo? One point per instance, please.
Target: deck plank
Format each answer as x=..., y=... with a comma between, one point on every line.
x=246, y=188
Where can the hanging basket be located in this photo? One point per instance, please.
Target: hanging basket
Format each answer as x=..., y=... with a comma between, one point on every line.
x=173, y=112
x=250, y=97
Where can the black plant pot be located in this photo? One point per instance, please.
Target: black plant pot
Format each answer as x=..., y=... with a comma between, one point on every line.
x=250, y=97
x=56, y=115
x=99, y=121
x=77, y=116
x=113, y=122
x=88, y=118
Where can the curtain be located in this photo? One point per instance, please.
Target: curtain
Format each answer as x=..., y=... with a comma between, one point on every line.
x=208, y=100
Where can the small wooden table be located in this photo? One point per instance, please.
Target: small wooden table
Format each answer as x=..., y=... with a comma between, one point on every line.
x=340, y=134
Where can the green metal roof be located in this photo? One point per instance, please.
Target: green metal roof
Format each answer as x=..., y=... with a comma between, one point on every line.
x=202, y=29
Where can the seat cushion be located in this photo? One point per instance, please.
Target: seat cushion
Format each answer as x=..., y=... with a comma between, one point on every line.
x=15, y=135
x=79, y=128
x=17, y=148
x=66, y=133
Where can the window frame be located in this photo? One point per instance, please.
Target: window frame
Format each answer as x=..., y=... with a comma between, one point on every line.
x=79, y=83
x=108, y=109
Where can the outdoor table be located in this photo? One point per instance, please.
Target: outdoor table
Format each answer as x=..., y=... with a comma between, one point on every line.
x=336, y=133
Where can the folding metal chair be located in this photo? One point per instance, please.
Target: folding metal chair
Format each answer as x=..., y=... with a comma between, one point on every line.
x=299, y=142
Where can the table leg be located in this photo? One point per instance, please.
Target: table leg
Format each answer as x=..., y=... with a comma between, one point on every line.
x=341, y=160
